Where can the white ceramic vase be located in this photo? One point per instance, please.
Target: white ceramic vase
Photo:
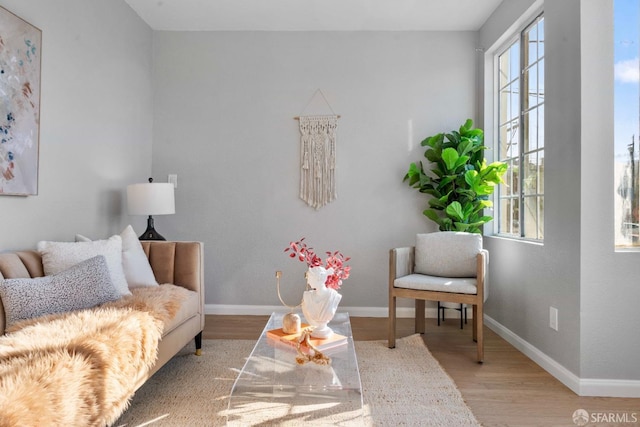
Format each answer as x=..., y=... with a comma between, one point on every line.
x=319, y=304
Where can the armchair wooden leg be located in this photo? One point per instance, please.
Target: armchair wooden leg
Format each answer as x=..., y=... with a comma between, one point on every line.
x=480, y=336
x=420, y=316
x=474, y=311
x=392, y=322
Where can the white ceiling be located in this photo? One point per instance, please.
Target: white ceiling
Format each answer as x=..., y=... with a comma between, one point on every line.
x=314, y=15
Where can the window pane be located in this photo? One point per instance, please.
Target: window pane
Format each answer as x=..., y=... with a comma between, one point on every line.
x=509, y=221
x=540, y=126
x=511, y=181
x=530, y=179
x=541, y=172
x=503, y=98
x=540, y=66
x=515, y=187
x=514, y=101
x=531, y=83
x=502, y=142
x=503, y=64
x=531, y=44
x=508, y=179
x=540, y=218
x=531, y=217
x=541, y=38
x=505, y=223
x=513, y=140
x=531, y=130
x=505, y=104
x=514, y=62
x=515, y=215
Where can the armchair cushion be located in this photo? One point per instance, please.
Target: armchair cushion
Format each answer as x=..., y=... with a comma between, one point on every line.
x=447, y=254
x=424, y=282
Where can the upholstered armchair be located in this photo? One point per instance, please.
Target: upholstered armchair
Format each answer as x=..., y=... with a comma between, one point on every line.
x=442, y=266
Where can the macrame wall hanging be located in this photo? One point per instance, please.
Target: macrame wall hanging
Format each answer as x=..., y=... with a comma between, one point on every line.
x=318, y=157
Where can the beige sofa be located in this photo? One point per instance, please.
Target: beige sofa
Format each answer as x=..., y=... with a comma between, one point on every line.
x=177, y=263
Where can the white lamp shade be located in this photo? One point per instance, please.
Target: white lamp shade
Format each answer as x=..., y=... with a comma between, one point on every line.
x=155, y=198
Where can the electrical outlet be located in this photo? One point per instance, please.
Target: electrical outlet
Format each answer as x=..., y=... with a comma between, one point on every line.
x=173, y=179
x=553, y=318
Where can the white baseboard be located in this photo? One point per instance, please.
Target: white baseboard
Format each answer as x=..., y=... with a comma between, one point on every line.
x=580, y=386
x=265, y=310
x=609, y=388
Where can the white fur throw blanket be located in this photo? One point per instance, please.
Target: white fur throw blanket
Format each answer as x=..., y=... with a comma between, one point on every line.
x=81, y=368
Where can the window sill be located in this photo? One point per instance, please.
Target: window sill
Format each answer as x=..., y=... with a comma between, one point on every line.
x=518, y=240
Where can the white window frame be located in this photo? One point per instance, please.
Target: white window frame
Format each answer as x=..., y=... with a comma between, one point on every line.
x=491, y=106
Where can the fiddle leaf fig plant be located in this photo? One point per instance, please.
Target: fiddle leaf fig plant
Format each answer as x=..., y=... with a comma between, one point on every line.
x=460, y=181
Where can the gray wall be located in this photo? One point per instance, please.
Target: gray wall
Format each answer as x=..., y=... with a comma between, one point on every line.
x=96, y=120
x=224, y=107
x=576, y=270
x=521, y=289
x=610, y=290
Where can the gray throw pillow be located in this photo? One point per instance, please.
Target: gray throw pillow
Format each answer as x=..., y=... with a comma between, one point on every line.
x=447, y=253
x=84, y=285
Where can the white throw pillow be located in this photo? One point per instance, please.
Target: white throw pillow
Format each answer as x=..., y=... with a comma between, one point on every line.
x=135, y=263
x=84, y=285
x=59, y=256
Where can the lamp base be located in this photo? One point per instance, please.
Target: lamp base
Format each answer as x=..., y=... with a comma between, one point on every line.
x=150, y=233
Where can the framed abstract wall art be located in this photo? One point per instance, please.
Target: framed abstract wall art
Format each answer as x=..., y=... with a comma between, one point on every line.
x=20, y=52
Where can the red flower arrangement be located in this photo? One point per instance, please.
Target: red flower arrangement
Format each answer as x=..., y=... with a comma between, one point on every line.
x=335, y=260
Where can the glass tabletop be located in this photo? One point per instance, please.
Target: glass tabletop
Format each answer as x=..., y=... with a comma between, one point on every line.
x=273, y=387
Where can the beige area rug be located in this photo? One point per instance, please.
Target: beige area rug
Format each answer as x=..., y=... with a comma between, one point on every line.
x=404, y=386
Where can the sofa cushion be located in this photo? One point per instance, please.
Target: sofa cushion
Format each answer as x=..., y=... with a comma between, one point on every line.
x=135, y=263
x=84, y=285
x=59, y=256
x=447, y=254
x=190, y=307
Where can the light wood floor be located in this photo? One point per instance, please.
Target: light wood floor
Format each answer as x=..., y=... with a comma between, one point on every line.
x=508, y=389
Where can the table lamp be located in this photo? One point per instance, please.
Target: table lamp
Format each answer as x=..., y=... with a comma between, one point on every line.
x=151, y=199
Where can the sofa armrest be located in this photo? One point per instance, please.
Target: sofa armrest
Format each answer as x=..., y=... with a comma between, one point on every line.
x=178, y=263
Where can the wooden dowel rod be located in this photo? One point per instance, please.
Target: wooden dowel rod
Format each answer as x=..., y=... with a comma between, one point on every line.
x=298, y=117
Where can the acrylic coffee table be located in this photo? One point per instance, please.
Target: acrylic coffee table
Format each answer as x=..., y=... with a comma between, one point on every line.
x=273, y=389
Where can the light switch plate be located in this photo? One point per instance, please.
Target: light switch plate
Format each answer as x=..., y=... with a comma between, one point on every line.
x=553, y=318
